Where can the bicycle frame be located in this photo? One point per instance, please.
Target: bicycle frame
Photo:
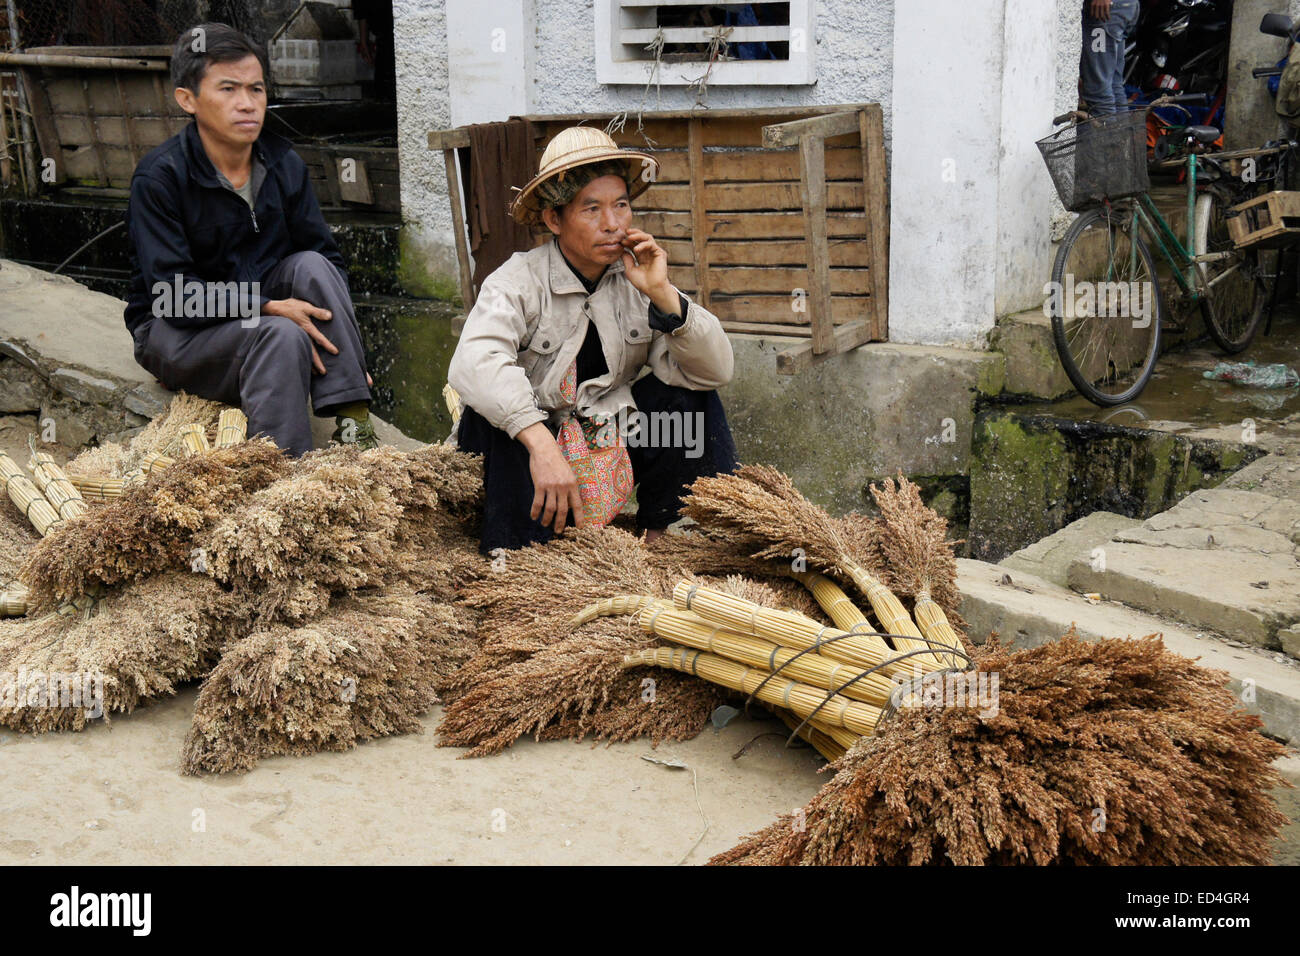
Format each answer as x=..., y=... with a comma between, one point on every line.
x=1153, y=223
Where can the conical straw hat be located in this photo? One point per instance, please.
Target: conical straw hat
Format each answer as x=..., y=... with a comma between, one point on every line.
x=579, y=146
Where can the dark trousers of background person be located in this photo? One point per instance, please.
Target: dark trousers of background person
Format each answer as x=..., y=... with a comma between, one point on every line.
x=661, y=474
x=264, y=365
x=1101, y=63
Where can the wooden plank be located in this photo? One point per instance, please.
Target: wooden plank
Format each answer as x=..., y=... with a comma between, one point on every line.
x=875, y=182
x=762, y=252
x=737, y=280
x=699, y=231
x=812, y=161
x=742, y=225
x=803, y=356
x=128, y=121
x=750, y=114
x=355, y=188
x=449, y=139
x=153, y=50
x=778, y=309
x=748, y=197
x=458, y=226
x=46, y=137
x=766, y=328
x=766, y=165
x=659, y=132
x=821, y=127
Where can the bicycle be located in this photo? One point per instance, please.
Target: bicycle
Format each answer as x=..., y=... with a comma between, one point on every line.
x=1107, y=346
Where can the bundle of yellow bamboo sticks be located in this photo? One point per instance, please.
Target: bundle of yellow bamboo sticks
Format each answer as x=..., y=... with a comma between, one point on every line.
x=832, y=682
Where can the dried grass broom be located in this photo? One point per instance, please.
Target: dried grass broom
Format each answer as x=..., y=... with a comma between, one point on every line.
x=153, y=527
x=1121, y=732
x=54, y=485
x=915, y=549
x=27, y=498
x=141, y=642
x=762, y=511
x=363, y=669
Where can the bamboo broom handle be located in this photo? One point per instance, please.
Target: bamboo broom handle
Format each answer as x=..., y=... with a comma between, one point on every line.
x=822, y=738
x=616, y=606
x=890, y=612
x=838, y=711
x=195, y=439
x=97, y=489
x=792, y=630
x=155, y=461
x=13, y=602
x=53, y=483
x=838, y=606
x=685, y=627
x=934, y=625
x=232, y=427
x=28, y=499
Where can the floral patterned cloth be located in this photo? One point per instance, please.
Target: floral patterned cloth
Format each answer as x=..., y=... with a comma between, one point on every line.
x=598, y=458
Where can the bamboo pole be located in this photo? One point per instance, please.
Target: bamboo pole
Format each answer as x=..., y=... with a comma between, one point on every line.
x=195, y=439
x=833, y=710
x=793, y=630
x=232, y=427
x=685, y=627
x=53, y=483
x=156, y=461
x=27, y=497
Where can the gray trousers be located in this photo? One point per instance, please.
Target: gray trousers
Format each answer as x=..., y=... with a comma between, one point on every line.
x=1101, y=62
x=264, y=365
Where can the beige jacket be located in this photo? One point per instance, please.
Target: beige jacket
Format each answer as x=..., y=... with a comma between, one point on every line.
x=529, y=322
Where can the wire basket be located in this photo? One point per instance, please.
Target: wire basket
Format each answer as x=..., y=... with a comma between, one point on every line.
x=1099, y=159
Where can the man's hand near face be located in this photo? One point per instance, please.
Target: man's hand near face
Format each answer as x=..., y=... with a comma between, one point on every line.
x=645, y=263
x=301, y=312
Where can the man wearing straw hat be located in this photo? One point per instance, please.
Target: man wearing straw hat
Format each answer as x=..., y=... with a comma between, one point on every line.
x=547, y=365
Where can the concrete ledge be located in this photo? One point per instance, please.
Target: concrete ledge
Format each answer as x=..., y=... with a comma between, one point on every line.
x=859, y=416
x=1027, y=611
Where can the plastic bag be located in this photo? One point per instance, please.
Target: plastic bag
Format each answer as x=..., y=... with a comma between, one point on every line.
x=1255, y=376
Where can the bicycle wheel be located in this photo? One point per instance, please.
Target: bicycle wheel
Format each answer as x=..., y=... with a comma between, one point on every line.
x=1234, y=289
x=1105, y=308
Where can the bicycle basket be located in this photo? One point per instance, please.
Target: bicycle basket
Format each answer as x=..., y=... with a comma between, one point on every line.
x=1101, y=158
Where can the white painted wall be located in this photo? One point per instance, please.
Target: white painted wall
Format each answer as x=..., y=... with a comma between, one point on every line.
x=423, y=104
x=491, y=51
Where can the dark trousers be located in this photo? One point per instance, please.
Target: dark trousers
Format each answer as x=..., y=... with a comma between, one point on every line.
x=661, y=473
x=1101, y=62
x=263, y=365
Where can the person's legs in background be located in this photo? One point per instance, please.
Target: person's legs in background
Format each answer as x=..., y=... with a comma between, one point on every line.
x=1102, y=56
x=342, y=391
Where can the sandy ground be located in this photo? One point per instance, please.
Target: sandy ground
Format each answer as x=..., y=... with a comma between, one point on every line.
x=115, y=795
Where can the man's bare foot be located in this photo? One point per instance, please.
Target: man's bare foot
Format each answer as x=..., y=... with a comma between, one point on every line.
x=653, y=534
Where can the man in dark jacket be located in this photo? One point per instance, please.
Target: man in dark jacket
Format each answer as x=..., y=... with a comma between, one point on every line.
x=238, y=291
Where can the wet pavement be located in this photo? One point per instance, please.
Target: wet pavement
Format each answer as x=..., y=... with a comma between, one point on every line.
x=1178, y=392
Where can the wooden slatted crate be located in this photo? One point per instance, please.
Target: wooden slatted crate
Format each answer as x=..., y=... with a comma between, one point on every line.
x=1267, y=221
x=736, y=207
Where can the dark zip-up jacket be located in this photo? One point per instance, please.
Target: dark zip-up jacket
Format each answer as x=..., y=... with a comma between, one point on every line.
x=182, y=220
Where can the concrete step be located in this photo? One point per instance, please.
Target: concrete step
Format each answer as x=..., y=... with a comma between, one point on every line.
x=1222, y=559
x=1027, y=611
x=1050, y=558
x=1032, y=366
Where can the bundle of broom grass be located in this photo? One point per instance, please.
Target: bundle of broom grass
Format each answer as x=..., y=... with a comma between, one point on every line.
x=228, y=539
x=1116, y=752
x=365, y=668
